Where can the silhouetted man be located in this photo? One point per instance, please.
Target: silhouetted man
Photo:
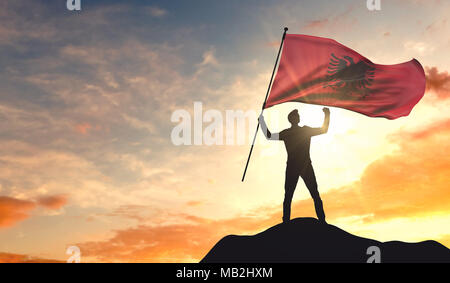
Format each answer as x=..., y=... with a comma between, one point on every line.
x=297, y=141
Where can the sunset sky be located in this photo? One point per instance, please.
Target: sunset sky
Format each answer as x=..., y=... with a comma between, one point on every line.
x=86, y=99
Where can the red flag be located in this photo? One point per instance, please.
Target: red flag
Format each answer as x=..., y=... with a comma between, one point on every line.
x=322, y=71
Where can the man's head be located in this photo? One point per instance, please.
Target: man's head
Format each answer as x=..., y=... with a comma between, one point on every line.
x=294, y=118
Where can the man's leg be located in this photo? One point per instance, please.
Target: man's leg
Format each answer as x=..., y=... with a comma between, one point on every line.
x=310, y=181
x=290, y=183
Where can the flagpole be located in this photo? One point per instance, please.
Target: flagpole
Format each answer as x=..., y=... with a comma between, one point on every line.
x=264, y=104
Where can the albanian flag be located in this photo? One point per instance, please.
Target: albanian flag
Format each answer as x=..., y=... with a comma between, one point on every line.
x=322, y=71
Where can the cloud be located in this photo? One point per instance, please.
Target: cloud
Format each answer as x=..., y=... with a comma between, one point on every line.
x=138, y=124
x=437, y=26
x=139, y=213
x=53, y=202
x=156, y=12
x=433, y=130
x=209, y=58
x=194, y=203
x=419, y=47
x=20, y=258
x=20, y=25
x=333, y=22
x=317, y=24
x=14, y=210
x=439, y=82
x=83, y=128
x=275, y=43
x=169, y=243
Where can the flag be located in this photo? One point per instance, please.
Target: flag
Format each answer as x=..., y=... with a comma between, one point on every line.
x=322, y=71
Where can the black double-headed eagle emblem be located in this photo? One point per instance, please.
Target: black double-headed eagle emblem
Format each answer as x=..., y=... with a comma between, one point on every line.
x=346, y=76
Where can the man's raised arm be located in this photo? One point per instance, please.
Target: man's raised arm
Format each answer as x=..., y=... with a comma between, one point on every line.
x=265, y=130
x=326, y=123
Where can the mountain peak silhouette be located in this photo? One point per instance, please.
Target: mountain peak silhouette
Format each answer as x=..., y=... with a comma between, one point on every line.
x=307, y=240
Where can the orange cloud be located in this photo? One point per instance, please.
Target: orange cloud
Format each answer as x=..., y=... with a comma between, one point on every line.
x=53, y=202
x=18, y=258
x=434, y=129
x=83, y=128
x=410, y=182
x=170, y=243
x=14, y=210
x=194, y=203
x=317, y=24
x=273, y=43
x=439, y=82
x=342, y=20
